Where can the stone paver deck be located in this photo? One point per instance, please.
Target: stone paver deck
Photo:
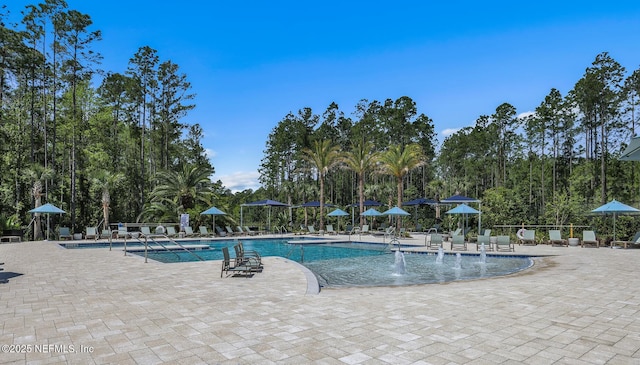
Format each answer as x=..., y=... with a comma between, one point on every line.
x=95, y=306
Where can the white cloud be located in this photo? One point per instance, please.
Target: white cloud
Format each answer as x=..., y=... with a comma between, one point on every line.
x=239, y=181
x=524, y=115
x=449, y=131
x=210, y=153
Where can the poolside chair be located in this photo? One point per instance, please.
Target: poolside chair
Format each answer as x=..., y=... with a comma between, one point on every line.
x=503, y=243
x=188, y=231
x=635, y=241
x=589, y=239
x=146, y=231
x=248, y=231
x=91, y=233
x=433, y=241
x=229, y=265
x=330, y=229
x=105, y=234
x=365, y=229
x=230, y=231
x=221, y=232
x=528, y=238
x=123, y=232
x=64, y=234
x=312, y=230
x=243, y=256
x=204, y=232
x=171, y=231
x=486, y=240
x=458, y=243
x=555, y=238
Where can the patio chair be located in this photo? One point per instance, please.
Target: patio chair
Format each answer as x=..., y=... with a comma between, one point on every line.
x=635, y=241
x=433, y=241
x=365, y=229
x=589, y=239
x=105, y=234
x=91, y=233
x=555, y=238
x=458, y=243
x=239, y=231
x=123, y=232
x=64, y=233
x=221, y=232
x=188, y=231
x=231, y=265
x=486, y=240
x=248, y=231
x=330, y=229
x=312, y=230
x=171, y=231
x=204, y=232
x=243, y=256
x=503, y=243
x=146, y=231
x=528, y=237
x=230, y=231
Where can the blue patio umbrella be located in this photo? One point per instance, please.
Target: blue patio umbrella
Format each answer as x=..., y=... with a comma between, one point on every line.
x=47, y=209
x=268, y=203
x=371, y=212
x=213, y=211
x=465, y=200
x=338, y=213
x=615, y=207
x=465, y=210
x=395, y=211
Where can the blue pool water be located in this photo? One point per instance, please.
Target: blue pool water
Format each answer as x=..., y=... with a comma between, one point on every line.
x=344, y=264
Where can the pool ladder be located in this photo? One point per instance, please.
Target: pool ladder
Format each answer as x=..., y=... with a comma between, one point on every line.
x=152, y=238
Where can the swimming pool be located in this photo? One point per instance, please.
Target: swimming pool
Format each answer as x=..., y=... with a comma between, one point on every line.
x=348, y=264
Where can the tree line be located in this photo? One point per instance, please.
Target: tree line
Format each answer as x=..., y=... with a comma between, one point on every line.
x=120, y=151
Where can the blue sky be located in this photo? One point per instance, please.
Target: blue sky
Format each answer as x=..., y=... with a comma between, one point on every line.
x=251, y=63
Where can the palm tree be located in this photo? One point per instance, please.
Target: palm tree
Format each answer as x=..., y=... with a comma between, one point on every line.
x=361, y=160
x=180, y=190
x=323, y=155
x=398, y=161
x=106, y=181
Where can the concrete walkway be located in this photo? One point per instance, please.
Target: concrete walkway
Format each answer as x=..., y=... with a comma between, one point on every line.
x=95, y=306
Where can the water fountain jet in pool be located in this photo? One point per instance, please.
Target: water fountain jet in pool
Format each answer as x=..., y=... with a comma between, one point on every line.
x=458, y=261
x=440, y=255
x=483, y=254
x=401, y=265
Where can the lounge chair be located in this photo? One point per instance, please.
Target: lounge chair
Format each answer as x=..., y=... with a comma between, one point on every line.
x=312, y=230
x=433, y=241
x=486, y=240
x=171, y=231
x=635, y=241
x=64, y=234
x=123, y=232
x=105, y=234
x=365, y=229
x=589, y=239
x=248, y=231
x=229, y=265
x=146, y=231
x=204, y=232
x=503, y=243
x=555, y=238
x=330, y=229
x=91, y=233
x=458, y=243
x=188, y=231
x=457, y=232
x=220, y=232
x=528, y=238
x=243, y=256
x=230, y=231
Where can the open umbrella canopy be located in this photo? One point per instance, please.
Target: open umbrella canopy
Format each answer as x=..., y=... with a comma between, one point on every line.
x=268, y=202
x=338, y=213
x=420, y=201
x=313, y=204
x=395, y=211
x=213, y=211
x=459, y=199
x=463, y=209
x=371, y=212
x=615, y=207
x=47, y=208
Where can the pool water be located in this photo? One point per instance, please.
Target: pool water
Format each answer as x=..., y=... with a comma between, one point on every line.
x=348, y=264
